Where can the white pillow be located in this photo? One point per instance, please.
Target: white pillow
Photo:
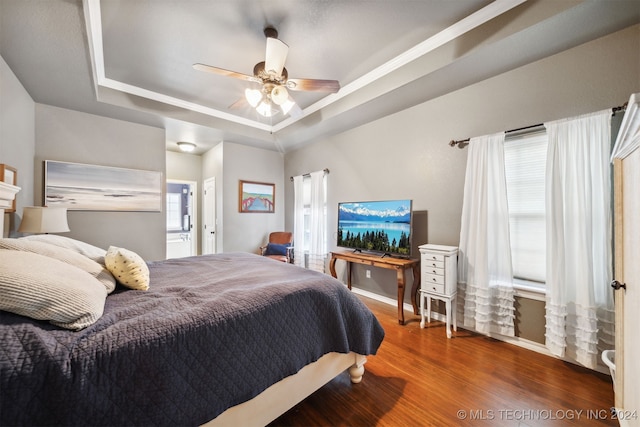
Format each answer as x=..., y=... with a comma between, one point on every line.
x=65, y=255
x=92, y=252
x=44, y=288
x=128, y=268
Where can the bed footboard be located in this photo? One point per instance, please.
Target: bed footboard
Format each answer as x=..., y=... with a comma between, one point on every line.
x=285, y=394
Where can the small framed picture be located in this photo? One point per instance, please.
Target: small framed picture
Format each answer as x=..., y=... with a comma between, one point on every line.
x=9, y=175
x=257, y=197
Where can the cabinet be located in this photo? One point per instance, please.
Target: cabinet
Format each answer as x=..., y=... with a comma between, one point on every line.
x=439, y=266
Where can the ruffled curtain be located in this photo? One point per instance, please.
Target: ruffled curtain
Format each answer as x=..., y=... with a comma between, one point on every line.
x=317, y=223
x=485, y=285
x=298, y=220
x=579, y=309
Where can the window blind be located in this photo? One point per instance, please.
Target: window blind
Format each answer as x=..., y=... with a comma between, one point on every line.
x=525, y=163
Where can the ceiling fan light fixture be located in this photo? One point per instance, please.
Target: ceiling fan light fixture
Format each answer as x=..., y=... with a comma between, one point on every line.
x=186, y=147
x=254, y=96
x=287, y=106
x=264, y=109
x=279, y=95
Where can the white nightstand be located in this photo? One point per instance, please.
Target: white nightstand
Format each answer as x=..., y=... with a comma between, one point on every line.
x=439, y=265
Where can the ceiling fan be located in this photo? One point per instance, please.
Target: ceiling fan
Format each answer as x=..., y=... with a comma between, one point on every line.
x=274, y=80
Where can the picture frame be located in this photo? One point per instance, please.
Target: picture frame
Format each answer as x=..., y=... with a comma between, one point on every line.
x=77, y=186
x=9, y=175
x=256, y=197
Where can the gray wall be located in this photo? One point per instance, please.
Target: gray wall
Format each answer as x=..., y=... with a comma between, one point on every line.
x=229, y=163
x=71, y=136
x=17, y=138
x=407, y=155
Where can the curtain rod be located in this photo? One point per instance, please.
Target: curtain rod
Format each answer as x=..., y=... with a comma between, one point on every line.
x=463, y=142
x=325, y=170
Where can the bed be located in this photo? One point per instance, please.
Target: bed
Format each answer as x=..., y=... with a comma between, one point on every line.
x=227, y=339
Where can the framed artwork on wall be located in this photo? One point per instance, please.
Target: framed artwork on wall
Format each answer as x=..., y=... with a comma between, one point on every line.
x=78, y=186
x=256, y=197
x=9, y=175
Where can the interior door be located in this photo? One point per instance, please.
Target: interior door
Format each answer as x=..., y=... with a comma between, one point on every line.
x=209, y=214
x=626, y=154
x=627, y=355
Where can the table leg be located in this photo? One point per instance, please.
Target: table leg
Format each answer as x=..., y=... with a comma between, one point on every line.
x=401, y=282
x=454, y=312
x=349, y=274
x=332, y=267
x=422, y=308
x=416, y=286
x=448, y=316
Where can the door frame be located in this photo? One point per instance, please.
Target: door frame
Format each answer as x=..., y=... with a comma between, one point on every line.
x=209, y=207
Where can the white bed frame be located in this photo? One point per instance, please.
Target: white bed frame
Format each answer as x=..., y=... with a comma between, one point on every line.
x=285, y=394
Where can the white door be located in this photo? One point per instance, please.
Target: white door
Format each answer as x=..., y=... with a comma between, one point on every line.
x=209, y=214
x=181, y=233
x=627, y=269
x=627, y=355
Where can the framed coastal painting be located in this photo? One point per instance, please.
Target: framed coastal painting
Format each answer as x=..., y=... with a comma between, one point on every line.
x=257, y=197
x=78, y=186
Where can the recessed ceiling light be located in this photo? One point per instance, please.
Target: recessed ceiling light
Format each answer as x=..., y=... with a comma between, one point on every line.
x=186, y=147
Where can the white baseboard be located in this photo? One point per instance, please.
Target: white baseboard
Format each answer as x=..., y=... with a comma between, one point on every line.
x=520, y=342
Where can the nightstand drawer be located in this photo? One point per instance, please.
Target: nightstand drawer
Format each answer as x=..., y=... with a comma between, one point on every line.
x=435, y=271
x=433, y=287
x=432, y=278
x=428, y=264
x=432, y=257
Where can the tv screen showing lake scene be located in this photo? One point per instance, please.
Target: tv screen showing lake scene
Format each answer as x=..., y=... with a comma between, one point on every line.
x=377, y=226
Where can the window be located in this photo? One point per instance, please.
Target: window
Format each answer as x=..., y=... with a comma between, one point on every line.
x=525, y=169
x=174, y=211
x=306, y=197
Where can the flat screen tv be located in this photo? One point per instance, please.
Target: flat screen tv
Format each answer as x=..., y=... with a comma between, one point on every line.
x=382, y=226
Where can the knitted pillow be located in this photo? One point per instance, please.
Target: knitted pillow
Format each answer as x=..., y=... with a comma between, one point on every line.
x=44, y=288
x=63, y=254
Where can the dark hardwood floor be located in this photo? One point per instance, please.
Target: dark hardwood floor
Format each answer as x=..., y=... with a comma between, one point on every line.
x=420, y=378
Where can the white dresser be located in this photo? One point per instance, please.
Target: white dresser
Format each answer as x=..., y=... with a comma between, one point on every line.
x=439, y=267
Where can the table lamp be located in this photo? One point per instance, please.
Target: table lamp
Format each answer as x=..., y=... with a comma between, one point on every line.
x=39, y=219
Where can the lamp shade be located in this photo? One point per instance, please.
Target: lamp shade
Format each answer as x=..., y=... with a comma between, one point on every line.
x=38, y=219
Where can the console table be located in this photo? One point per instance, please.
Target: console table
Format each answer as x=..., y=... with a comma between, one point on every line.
x=400, y=265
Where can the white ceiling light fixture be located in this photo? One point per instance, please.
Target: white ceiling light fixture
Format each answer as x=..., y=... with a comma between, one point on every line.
x=186, y=147
x=279, y=95
x=254, y=96
x=264, y=109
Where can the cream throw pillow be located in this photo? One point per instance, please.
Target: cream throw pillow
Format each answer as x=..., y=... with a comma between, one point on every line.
x=92, y=252
x=128, y=268
x=65, y=255
x=44, y=288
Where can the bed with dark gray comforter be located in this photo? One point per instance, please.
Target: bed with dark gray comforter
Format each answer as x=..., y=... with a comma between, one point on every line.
x=211, y=332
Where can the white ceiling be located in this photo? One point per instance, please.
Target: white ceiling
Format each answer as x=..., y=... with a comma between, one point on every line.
x=132, y=59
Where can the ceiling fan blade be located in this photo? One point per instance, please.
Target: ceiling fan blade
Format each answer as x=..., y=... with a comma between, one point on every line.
x=276, y=56
x=223, y=72
x=311, y=85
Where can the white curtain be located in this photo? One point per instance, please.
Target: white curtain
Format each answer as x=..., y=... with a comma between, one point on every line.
x=317, y=223
x=579, y=310
x=298, y=220
x=484, y=261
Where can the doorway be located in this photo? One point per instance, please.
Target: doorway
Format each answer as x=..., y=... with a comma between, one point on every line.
x=181, y=233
